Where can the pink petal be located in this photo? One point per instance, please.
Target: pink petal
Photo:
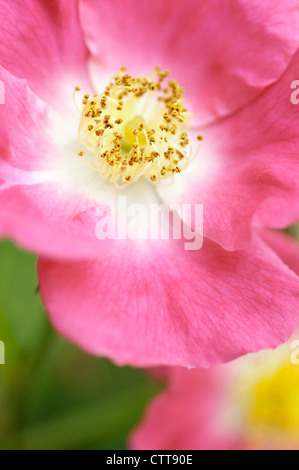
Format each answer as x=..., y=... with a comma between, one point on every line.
x=222, y=53
x=24, y=122
x=157, y=304
x=45, y=220
x=210, y=408
x=38, y=210
x=256, y=178
x=285, y=246
x=41, y=41
x=188, y=414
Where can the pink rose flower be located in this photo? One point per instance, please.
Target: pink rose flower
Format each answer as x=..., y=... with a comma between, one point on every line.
x=152, y=302
x=250, y=403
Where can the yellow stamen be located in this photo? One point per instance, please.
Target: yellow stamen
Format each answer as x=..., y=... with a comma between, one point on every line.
x=137, y=128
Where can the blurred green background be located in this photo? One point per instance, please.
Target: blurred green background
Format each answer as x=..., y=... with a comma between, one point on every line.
x=52, y=395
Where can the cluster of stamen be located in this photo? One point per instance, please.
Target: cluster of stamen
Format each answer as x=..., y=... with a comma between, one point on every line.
x=136, y=127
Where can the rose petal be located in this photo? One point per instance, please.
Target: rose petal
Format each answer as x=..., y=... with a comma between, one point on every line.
x=157, y=304
x=42, y=42
x=188, y=414
x=252, y=174
x=222, y=53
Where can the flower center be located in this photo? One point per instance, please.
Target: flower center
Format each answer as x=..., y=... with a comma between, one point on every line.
x=136, y=127
x=275, y=404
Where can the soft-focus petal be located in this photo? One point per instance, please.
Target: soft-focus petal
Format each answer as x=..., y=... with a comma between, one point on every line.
x=41, y=41
x=24, y=120
x=188, y=415
x=285, y=246
x=250, y=403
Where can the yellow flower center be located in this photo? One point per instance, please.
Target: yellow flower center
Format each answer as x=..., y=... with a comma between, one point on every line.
x=275, y=405
x=136, y=127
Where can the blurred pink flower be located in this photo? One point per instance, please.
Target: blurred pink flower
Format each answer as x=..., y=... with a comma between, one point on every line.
x=152, y=302
x=250, y=403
